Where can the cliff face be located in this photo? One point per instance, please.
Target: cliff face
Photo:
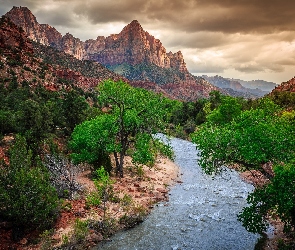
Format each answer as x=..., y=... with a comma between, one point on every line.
x=132, y=45
x=12, y=36
x=44, y=33
x=133, y=53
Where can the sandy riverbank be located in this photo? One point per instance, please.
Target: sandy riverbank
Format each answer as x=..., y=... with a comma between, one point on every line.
x=145, y=190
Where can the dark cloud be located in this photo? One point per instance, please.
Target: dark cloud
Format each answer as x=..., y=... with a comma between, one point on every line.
x=228, y=16
x=111, y=11
x=58, y=17
x=249, y=37
x=197, y=40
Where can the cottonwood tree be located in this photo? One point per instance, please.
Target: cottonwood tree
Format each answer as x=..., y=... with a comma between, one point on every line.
x=277, y=196
x=132, y=116
x=253, y=138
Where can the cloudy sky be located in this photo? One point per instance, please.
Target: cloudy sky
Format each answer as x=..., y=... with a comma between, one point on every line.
x=245, y=39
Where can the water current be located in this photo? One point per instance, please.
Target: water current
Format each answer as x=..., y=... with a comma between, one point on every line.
x=201, y=212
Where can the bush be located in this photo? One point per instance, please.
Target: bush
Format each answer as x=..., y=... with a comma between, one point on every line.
x=26, y=197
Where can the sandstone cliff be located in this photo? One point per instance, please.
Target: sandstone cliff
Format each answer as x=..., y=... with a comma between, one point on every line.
x=133, y=53
x=32, y=63
x=132, y=45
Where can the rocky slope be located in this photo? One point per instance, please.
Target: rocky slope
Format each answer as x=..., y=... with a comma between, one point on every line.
x=31, y=63
x=133, y=53
x=288, y=86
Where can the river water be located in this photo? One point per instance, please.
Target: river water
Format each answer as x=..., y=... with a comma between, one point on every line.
x=201, y=212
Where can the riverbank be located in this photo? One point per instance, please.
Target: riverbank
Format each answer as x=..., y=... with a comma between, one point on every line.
x=276, y=233
x=140, y=190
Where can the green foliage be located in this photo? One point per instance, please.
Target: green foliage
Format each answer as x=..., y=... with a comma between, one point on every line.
x=132, y=114
x=146, y=71
x=104, y=190
x=278, y=196
x=46, y=240
x=228, y=109
x=38, y=113
x=186, y=115
x=285, y=99
x=104, y=185
x=80, y=230
x=93, y=199
x=75, y=107
x=134, y=214
x=26, y=196
x=93, y=140
x=143, y=153
x=253, y=138
x=7, y=121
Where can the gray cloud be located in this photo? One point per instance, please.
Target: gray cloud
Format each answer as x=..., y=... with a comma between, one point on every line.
x=197, y=40
x=248, y=37
x=229, y=16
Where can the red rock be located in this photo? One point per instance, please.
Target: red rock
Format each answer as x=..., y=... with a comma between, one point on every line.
x=132, y=46
x=162, y=190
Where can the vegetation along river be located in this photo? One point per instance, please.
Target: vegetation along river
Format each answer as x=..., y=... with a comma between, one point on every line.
x=201, y=212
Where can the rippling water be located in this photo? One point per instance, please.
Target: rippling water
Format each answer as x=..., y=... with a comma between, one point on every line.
x=201, y=212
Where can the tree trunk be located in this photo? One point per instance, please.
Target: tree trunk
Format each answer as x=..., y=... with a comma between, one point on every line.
x=122, y=154
x=117, y=170
x=119, y=163
x=293, y=218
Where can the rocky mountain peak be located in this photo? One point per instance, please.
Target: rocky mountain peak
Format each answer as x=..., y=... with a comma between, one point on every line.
x=133, y=53
x=134, y=25
x=24, y=18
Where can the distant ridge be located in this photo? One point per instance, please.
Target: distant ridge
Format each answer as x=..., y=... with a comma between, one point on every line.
x=237, y=87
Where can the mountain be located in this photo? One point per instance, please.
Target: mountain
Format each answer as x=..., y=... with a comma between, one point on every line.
x=26, y=62
x=237, y=87
x=133, y=53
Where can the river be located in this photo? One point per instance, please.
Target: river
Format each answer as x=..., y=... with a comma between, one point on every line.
x=201, y=212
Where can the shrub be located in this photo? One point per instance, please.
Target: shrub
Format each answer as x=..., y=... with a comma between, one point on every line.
x=26, y=197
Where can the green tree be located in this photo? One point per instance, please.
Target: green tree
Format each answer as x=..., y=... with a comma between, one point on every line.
x=35, y=123
x=226, y=111
x=26, y=197
x=130, y=112
x=278, y=196
x=255, y=137
x=75, y=107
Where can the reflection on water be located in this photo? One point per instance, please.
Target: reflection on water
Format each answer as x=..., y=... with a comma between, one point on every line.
x=201, y=212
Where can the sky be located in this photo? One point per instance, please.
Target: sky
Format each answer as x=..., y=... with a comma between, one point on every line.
x=243, y=39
